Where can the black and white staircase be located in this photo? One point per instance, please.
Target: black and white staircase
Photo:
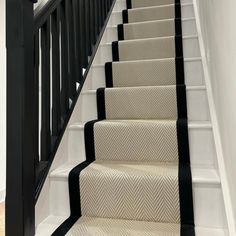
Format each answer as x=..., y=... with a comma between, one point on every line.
x=138, y=156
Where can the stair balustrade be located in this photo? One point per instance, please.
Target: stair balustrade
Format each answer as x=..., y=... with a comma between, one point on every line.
x=49, y=52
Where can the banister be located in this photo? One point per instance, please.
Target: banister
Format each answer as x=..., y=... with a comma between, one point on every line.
x=42, y=92
x=42, y=13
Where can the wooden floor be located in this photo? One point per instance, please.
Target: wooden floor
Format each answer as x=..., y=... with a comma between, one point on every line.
x=2, y=219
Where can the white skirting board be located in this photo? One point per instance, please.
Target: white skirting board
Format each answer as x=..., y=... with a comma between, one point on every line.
x=216, y=133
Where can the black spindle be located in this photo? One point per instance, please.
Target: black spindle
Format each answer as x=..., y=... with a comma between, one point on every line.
x=64, y=63
x=87, y=27
x=92, y=22
x=36, y=96
x=45, y=92
x=96, y=21
x=83, y=34
x=56, y=111
x=72, y=75
x=77, y=41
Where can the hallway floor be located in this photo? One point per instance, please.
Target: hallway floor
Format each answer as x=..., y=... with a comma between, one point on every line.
x=2, y=219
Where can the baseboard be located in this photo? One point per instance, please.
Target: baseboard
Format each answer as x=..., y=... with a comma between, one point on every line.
x=2, y=195
x=216, y=132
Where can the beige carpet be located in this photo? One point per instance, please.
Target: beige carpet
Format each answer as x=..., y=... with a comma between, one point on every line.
x=136, y=180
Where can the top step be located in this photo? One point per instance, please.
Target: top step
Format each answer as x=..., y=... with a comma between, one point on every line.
x=186, y=12
x=148, y=3
x=122, y=4
x=151, y=13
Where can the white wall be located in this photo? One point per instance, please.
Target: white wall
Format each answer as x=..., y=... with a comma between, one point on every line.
x=2, y=101
x=218, y=23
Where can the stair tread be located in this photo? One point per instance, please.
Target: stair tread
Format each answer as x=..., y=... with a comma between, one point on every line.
x=134, y=167
x=52, y=222
x=152, y=39
x=161, y=59
x=146, y=22
x=199, y=175
x=191, y=124
x=199, y=87
x=138, y=3
x=131, y=190
x=182, y=4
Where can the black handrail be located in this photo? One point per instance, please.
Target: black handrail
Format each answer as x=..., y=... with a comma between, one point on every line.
x=47, y=50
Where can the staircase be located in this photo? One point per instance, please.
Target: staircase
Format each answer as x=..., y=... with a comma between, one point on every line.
x=138, y=154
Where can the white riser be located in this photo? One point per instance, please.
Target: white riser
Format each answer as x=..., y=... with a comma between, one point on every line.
x=208, y=202
x=201, y=144
x=188, y=28
x=190, y=50
x=121, y=4
x=197, y=105
x=193, y=74
x=116, y=16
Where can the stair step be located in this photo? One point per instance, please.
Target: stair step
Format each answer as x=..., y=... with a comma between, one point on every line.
x=188, y=28
x=147, y=3
x=193, y=72
x=197, y=105
x=190, y=48
x=208, y=200
x=147, y=102
x=137, y=140
x=48, y=226
x=149, y=29
x=145, y=49
x=145, y=73
x=131, y=190
x=107, y=226
x=150, y=13
x=186, y=12
x=121, y=4
x=201, y=144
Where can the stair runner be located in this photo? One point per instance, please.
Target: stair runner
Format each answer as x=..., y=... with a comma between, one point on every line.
x=136, y=179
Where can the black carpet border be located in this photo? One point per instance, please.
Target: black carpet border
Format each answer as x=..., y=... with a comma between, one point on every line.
x=185, y=180
x=178, y=26
x=177, y=10
x=181, y=101
x=74, y=194
x=125, y=16
x=101, y=109
x=108, y=75
x=128, y=4
x=179, y=70
x=115, y=51
x=120, y=30
x=74, y=181
x=178, y=46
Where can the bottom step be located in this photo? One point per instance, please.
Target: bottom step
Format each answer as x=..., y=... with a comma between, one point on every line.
x=109, y=227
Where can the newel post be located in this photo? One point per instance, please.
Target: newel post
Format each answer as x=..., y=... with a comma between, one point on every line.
x=21, y=140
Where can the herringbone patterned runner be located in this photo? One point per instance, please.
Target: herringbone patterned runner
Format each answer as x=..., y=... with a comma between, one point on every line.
x=136, y=179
